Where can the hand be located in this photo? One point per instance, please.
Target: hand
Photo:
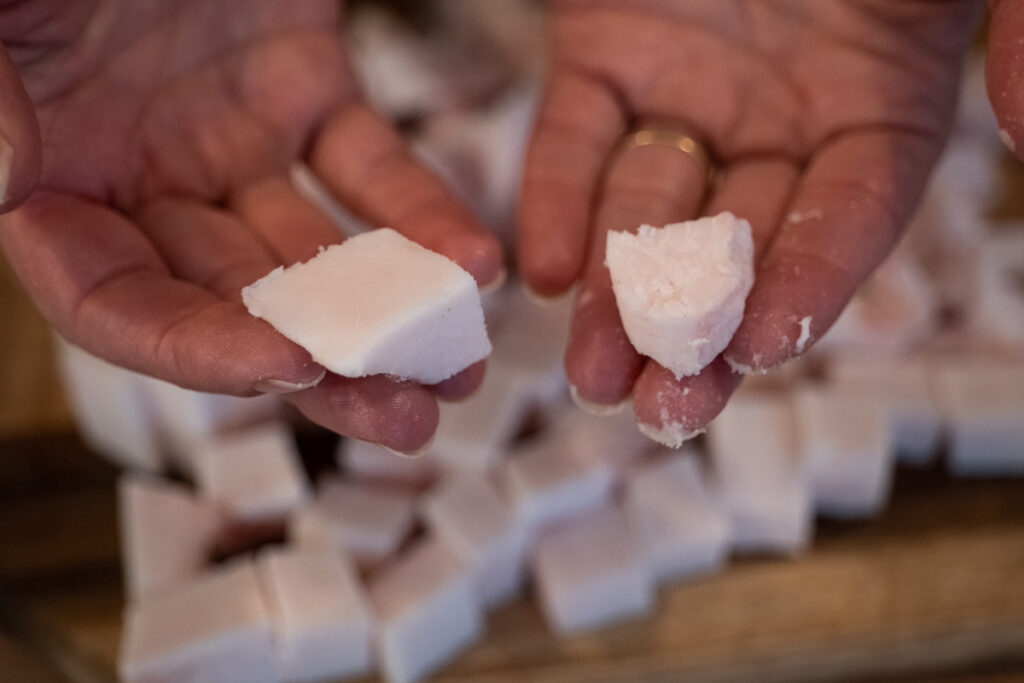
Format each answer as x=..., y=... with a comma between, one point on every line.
x=168, y=130
x=824, y=118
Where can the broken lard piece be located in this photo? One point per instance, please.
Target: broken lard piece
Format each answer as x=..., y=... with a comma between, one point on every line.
x=377, y=304
x=681, y=289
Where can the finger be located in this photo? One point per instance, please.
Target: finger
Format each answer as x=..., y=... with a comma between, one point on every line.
x=671, y=410
x=105, y=288
x=462, y=385
x=207, y=246
x=367, y=165
x=399, y=415
x=756, y=190
x=291, y=226
x=1004, y=69
x=847, y=212
x=650, y=184
x=20, y=158
x=578, y=124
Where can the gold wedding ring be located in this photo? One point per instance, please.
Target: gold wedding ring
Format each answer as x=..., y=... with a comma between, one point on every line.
x=664, y=137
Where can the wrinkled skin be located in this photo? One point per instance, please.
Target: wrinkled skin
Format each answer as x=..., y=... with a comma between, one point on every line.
x=824, y=118
x=159, y=187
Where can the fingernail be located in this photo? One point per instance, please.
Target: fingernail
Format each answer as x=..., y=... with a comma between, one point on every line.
x=284, y=386
x=672, y=434
x=496, y=283
x=414, y=454
x=539, y=299
x=596, y=409
x=6, y=161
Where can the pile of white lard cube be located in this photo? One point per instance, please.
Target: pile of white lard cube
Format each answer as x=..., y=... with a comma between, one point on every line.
x=390, y=564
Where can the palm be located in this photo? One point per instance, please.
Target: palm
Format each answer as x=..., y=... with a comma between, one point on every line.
x=168, y=131
x=823, y=117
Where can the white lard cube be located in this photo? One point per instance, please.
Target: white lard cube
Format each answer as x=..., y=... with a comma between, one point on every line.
x=427, y=611
x=469, y=515
x=109, y=406
x=377, y=304
x=474, y=434
x=212, y=629
x=590, y=572
x=611, y=442
x=369, y=462
x=167, y=534
x=255, y=475
x=902, y=386
x=758, y=475
x=679, y=528
x=368, y=522
x=846, y=446
x=546, y=484
x=982, y=402
x=681, y=289
x=321, y=617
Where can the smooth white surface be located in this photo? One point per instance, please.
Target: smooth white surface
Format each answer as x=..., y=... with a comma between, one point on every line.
x=167, y=534
x=902, y=386
x=546, y=485
x=679, y=529
x=367, y=521
x=982, y=402
x=681, y=289
x=321, y=617
x=254, y=474
x=757, y=475
x=214, y=629
x=377, y=304
x=470, y=516
x=846, y=446
x=427, y=612
x=589, y=572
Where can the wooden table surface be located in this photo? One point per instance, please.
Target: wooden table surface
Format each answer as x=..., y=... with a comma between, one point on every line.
x=932, y=590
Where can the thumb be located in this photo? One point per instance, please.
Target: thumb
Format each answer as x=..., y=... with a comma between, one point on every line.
x=20, y=156
x=1004, y=71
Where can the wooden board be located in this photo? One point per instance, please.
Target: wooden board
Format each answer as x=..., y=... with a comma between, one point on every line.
x=934, y=587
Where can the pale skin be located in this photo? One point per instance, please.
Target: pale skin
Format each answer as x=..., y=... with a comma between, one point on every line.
x=152, y=140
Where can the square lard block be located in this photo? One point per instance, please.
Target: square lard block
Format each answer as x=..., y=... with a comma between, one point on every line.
x=546, y=485
x=470, y=516
x=167, y=534
x=427, y=611
x=474, y=434
x=321, y=616
x=371, y=463
x=255, y=475
x=846, y=447
x=110, y=409
x=612, y=442
x=679, y=528
x=758, y=476
x=377, y=304
x=213, y=629
x=368, y=522
x=590, y=572
x=982, y=402
x=183, y=418
x=681, y=289
x=902, y=386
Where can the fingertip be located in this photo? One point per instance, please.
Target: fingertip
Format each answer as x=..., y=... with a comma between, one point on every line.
x=769, y=337
x=409, y=424
x=549, y=273
x=602, y=367
x=478, y=253
x=672, y=411
x=462, y=385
